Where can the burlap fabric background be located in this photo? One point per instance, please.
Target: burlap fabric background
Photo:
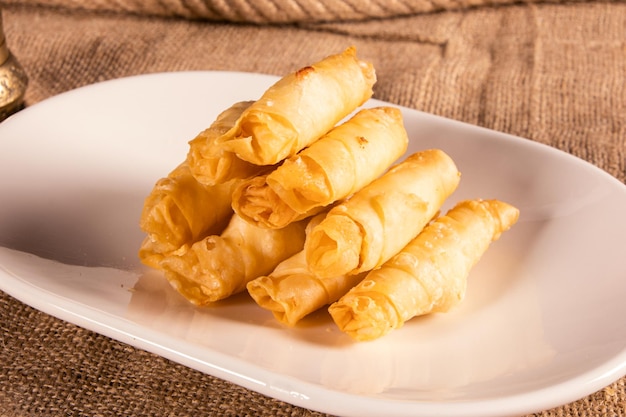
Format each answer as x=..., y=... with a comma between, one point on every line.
x=552, y=72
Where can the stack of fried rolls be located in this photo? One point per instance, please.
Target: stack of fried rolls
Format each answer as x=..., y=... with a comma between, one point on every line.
x=305, y=199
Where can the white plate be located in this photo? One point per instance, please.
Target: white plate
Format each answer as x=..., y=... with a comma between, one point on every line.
x=543, y=323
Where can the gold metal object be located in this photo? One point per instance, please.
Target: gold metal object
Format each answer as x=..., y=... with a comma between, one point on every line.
x=13, y=79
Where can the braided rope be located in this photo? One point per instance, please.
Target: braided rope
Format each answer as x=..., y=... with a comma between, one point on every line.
x=265, y=11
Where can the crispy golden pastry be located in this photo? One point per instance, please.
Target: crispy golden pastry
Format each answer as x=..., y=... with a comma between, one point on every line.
x=428, y=275
x=218, y=266
x=208, y=162
x=179, y=210
x=149, y=254
x=380, y=219
x=291, y=291
x=341, y=162
x=300, y=108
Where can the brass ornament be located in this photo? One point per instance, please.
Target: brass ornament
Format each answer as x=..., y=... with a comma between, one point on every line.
x=13, y=79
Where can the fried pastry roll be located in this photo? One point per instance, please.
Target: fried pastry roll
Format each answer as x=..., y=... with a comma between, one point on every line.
x=216, y=267
x=300, y=108
x=291, y=291
x=344, y=160
x=370, y=227
x=208, y=162
x=179, y=210
x=255, y=202
x=428, y=275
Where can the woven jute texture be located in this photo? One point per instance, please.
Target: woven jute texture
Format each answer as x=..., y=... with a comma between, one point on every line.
x=552, y=72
